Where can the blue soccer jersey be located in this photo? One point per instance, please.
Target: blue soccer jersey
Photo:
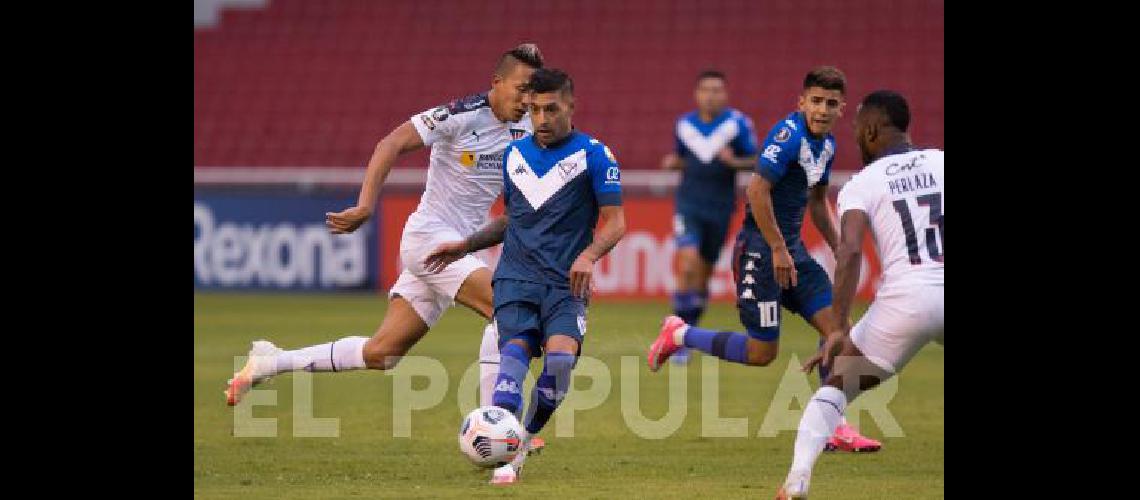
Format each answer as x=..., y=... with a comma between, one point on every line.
x=552, y=196
x=793, y=161
x=707, y=184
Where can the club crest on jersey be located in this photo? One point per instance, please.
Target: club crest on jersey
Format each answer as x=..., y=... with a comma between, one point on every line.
x=517, y=133
x=440, y=114
x=467, y=159
x=783, y=135
x=565, y=168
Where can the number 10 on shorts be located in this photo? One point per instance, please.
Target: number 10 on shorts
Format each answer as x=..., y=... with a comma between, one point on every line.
x=769, y=314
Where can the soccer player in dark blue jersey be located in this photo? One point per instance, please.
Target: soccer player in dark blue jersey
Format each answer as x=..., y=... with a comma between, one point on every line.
x=557, y=183
x=771, y=265
x=713, y=143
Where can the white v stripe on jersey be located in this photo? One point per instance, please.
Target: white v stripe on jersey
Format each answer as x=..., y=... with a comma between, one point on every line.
x=706, y=148
x=814, y=167
x=538, y=190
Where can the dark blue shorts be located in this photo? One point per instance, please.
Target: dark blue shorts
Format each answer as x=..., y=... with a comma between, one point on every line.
x=759, y=297
x=534, y=312
x=702, y=229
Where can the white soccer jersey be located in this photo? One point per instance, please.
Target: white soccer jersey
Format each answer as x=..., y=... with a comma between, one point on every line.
x=903, y=197
x=465, y=172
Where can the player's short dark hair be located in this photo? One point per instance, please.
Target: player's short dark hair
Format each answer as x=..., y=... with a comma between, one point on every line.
x=526, y=53
x=551, y=80
x=827, y=78
x=710, y=73
x=892, y=105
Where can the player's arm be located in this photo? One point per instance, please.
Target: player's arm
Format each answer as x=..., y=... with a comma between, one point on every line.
x=605, y=238
x=821, y=215
x=734, y=162
x=403, y=139
x=672, y=161
x=848, y=263
x=741, y=154
x=760, y=198
x=489, y=235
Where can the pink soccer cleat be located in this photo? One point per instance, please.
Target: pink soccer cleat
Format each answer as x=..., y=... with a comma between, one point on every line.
x=846, y=438
x=536, y=446
x=665, y=345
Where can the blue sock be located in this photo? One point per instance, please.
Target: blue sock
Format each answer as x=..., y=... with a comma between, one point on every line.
x=823, y=372
x=700, y=300
x=549, y=390
x=729, y=346
x=686, y=306
x=513, y=365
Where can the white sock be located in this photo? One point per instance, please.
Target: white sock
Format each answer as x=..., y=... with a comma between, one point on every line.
x=524, y=448
x=679, y=335
x=488, y=364
x=821, y=416
x=339, y=355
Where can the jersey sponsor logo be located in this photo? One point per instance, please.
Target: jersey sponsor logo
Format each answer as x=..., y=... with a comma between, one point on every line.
x=896, y=168
x=467, y=159
x=783, y=135
x=771, y=152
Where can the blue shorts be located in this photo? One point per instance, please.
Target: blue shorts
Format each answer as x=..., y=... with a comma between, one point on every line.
x=759, y=297
x=533, y=312
x=702, y=229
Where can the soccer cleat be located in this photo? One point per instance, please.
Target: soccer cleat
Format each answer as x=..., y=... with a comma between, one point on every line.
x=536, y=446
x=664, y=346
x=795, y=487
x=258, y=368
x=504, y=475
x=846, y=438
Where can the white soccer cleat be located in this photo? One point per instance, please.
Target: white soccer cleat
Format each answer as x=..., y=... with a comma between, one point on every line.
x=258, y=368
x=795, y=487
x=505, y=475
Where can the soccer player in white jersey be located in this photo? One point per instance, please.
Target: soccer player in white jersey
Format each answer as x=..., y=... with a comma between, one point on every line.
x=467, y=138
x=899, y=197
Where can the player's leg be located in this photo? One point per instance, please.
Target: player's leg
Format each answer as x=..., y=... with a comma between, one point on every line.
x=880, y=343
x=475, y=293
x=413, y=308
x=565, y=315
x=758, y=303
x=811, y=298
x=688, y=236
x=466, y=281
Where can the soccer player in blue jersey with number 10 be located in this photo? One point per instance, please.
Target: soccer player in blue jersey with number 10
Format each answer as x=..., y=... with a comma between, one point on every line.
x=771, y=265
x=556, y=184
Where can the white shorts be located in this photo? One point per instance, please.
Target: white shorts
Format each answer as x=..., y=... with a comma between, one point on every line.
x=430, y=294
x=896, y=327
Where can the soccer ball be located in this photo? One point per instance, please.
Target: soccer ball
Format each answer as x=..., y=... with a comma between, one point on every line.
x=489, y=436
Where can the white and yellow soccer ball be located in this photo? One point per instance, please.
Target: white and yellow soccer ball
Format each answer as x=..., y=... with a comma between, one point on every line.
x=490, y=436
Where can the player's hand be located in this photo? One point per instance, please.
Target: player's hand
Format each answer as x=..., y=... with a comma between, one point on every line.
x=827, y=351
x=580, y=273
x=348, y=220
x=784, y=267
x=669, y=162
x=725, y=155
x=444, y=255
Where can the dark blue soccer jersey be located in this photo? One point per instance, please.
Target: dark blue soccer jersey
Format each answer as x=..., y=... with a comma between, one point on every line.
x=552, y=197
x=793, y=161
x=707, y=184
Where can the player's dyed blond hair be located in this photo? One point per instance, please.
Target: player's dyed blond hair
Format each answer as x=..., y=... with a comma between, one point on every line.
x=526, y=53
